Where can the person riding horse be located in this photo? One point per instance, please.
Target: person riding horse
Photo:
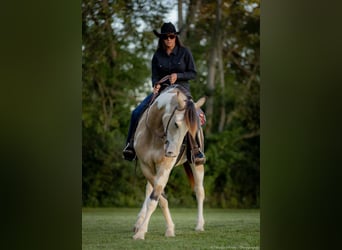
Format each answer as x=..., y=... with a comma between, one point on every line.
x=172, y=63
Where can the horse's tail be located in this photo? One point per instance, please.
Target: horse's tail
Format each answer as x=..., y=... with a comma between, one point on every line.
x=189, y=173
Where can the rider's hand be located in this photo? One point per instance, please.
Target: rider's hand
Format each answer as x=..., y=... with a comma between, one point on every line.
x=173, y=78
x=156, y=88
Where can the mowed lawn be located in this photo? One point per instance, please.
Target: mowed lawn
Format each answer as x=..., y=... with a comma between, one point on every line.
x=111, y=228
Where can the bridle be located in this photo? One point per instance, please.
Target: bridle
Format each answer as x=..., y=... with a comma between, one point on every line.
x=172, y=114
x=162, y=135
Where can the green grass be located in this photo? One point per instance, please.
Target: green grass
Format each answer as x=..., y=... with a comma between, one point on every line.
x=111, y=228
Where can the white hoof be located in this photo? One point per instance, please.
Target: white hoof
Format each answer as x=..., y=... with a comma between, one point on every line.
x=170, y=233
x=200, y=225
x=139, y=236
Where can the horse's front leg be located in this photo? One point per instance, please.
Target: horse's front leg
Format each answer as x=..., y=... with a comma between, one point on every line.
x=152, y=201
x=170, y=226
x=141, y=215
x=198, y=172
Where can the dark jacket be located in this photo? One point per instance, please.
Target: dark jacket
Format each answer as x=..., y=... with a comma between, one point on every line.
x=180, y=61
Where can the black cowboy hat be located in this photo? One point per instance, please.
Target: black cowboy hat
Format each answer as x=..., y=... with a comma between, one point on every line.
x=167, y=28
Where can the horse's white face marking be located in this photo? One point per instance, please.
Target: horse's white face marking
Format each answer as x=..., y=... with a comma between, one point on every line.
x=174, y=124
x=175, y=134
x=165, y=101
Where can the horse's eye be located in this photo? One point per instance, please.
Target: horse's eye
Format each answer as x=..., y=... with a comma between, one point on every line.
x=176, y=125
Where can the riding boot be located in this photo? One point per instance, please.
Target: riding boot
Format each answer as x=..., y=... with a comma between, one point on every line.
x=197, y=155
x=129, y=152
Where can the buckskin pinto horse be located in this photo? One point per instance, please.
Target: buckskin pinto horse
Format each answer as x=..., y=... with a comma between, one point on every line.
x=158, y=145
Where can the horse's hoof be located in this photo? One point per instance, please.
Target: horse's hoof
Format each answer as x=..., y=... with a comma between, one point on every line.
x=200, y=225
x=139, y=236
x=170, y=233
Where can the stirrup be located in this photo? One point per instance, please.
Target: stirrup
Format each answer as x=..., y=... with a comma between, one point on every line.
x=198, y=158
x=128, y=153
x=199, y=161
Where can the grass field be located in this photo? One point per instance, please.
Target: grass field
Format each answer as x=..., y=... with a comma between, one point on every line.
x=111, y=228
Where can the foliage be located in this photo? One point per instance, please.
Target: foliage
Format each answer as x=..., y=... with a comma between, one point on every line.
x=117, y=46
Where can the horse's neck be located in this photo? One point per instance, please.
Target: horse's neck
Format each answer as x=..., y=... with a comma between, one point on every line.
x=154, y=117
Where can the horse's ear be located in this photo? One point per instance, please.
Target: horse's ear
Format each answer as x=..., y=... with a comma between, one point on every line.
x=200, y=102
x=181, y=101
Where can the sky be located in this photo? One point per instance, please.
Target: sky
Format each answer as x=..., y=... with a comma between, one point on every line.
x=172, y=17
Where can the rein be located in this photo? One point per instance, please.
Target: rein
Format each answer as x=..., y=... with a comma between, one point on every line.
x=164, y=79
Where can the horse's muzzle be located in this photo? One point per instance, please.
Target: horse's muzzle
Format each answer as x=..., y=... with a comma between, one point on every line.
x=170, y=154
x=170, y=150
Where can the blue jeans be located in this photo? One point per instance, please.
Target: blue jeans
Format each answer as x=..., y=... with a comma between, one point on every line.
x=135, y=116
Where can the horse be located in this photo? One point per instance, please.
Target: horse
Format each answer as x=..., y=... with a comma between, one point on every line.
x=159, y=147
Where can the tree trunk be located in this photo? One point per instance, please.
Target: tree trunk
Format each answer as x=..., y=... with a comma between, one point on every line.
x=215, y=54
x=220, y=65
x=211, y=89
x=180, y=14
x=191, y=14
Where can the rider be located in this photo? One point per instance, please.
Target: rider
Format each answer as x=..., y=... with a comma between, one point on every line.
x=174, y=62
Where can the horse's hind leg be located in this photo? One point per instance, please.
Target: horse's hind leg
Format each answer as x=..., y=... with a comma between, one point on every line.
x=141, y=215
x=198, y=172
x=170, y=226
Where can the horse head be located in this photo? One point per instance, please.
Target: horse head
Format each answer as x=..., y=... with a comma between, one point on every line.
x=179, y=118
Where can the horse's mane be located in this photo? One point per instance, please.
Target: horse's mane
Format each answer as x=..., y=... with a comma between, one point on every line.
x=190, y=116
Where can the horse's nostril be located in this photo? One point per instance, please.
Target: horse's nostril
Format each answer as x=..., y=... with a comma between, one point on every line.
x=168, y=153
